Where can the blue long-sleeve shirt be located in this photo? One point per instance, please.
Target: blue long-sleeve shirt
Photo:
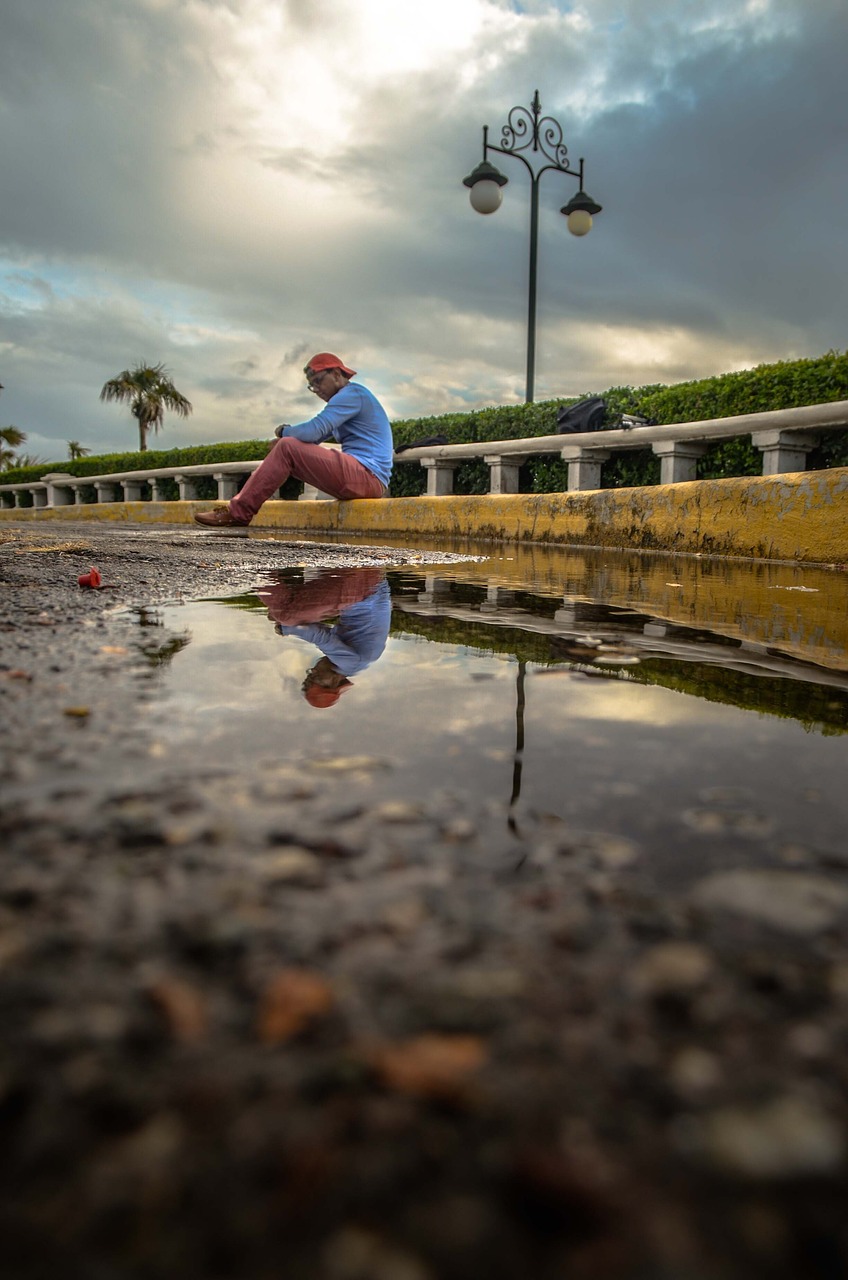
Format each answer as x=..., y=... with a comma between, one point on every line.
x=359, y=636
x=356, y=419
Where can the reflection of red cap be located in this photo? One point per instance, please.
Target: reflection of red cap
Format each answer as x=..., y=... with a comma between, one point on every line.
x=317, y=696
x=326, y=360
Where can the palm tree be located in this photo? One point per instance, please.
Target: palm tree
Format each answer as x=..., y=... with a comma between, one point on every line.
x=149, y=391
x=10, y=438
x=76, y=450
x=28, y=460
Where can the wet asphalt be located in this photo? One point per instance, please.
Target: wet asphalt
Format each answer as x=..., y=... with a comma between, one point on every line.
x=257, y=1025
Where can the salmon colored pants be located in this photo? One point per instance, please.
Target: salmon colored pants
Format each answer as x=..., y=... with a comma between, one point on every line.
x=329, y=470
x=294, y=603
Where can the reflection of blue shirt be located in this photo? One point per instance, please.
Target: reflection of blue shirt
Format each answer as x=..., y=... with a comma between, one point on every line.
x=359, y=636
x=354, y=417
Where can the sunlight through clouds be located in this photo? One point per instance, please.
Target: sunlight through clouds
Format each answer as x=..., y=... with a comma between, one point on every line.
x=225, y=185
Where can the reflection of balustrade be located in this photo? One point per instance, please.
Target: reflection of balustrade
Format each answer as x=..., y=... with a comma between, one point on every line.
x=435, y=589
x=497, y=598
x=583, y=631
x=574, y=613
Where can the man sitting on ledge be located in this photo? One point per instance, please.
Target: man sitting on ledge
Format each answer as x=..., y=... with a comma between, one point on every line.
x=353, y=416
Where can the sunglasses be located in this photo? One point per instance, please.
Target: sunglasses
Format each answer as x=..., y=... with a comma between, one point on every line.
x=316, y=378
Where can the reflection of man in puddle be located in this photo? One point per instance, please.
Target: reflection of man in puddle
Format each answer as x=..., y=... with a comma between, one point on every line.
x=360, y=601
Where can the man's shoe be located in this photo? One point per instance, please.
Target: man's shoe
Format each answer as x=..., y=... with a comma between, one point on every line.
x=220, y=518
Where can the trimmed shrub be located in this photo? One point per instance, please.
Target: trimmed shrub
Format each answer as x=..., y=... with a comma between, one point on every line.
x=784, y=385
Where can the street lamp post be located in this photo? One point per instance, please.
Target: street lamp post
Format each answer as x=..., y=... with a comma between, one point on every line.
x=525, y=130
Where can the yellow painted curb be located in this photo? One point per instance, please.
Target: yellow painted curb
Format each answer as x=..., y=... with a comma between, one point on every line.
x=802, y=516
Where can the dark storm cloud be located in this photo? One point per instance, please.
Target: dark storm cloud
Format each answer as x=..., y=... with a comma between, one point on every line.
x=732, y=189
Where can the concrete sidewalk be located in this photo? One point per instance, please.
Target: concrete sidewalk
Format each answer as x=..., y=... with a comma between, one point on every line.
x=259, y=1022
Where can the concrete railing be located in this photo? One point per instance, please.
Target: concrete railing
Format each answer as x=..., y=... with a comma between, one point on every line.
x=59, y=489
x=62, y=490
x=784, y=437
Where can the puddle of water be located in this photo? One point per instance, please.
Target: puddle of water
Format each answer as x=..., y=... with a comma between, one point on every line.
x=649, y=699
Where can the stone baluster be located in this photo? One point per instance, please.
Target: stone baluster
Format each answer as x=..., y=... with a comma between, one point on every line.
x=783, y=450
x=188, y=488
x=678, y=459
x=503, y=471
x=228, y=485
x=584, y=466
x=439, y=476
x=59, y=494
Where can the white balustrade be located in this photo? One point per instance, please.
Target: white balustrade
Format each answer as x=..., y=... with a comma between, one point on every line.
x=783, y=436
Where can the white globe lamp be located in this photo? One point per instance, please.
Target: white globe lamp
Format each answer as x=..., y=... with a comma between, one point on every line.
x=578, y=213
x=485, y=186
x=486, y=196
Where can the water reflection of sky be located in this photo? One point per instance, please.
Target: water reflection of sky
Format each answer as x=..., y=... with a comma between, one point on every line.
x=600, y=750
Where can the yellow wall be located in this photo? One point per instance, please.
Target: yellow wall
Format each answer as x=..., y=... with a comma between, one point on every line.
x=802, y=516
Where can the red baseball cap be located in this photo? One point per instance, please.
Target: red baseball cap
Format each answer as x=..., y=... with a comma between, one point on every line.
x=317, y=696
x=326, y=360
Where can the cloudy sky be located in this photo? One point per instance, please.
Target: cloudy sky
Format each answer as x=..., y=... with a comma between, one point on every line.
x=228, y=186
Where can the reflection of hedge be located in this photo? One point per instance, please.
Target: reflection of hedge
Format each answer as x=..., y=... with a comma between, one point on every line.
x=483, y=638
x=815, y=707
x=784, y=385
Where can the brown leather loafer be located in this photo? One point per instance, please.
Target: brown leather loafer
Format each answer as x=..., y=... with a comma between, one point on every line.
x=220, y=518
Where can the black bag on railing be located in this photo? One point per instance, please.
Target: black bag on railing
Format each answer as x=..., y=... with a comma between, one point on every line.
x=586, y=415
x=421, y=444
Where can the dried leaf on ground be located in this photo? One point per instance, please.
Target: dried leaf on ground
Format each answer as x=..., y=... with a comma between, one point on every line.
x=293, y=999
x=182, y=1006
x=429, y=1066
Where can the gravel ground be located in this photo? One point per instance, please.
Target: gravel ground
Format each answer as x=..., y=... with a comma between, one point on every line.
x=251, y=1029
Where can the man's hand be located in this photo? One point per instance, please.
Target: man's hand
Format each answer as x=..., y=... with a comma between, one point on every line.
x=278, y=431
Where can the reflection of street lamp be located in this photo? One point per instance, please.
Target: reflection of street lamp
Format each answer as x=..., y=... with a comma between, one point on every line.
x=518, y=758
x=521, y=131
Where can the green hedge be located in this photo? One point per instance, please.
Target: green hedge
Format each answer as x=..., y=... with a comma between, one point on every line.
x=784, y=385
x=788, y=384
x=105, y=463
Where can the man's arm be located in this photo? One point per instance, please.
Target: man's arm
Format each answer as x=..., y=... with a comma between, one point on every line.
x=325, y=424
x=331, y=644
